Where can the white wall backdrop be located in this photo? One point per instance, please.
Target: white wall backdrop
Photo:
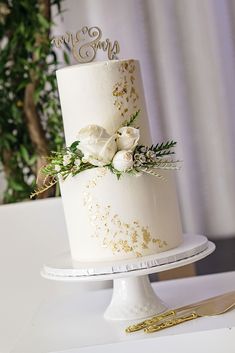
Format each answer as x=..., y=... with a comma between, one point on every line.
x=187, y=53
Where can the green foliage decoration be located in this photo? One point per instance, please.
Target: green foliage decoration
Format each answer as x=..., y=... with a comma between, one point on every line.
x=30, y=115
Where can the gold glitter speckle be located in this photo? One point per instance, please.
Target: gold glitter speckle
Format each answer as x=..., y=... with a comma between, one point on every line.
x=112, y=232
x=124, y=91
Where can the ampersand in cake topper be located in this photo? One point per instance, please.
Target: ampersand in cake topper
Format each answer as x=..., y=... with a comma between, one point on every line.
x=85, y=43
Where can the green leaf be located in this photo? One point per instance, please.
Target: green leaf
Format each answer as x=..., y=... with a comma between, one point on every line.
x=66, y=58
x=36, y=95
x=132, y=119
x=74, y=146
x=32, y=160
x=10, y=137
x=16, y=185
x=43, y=21
x=24, y=153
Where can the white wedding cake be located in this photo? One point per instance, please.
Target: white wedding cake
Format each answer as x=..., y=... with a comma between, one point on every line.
x=107, y=218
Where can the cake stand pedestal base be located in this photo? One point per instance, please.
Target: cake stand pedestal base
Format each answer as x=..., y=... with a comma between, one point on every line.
x=133, y=298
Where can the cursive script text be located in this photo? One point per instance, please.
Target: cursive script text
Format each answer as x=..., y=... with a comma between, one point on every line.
x=85, y=43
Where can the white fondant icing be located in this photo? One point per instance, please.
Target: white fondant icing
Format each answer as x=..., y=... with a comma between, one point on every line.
x=109, y=218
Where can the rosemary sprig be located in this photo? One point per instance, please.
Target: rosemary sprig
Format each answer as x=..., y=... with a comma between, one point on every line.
x=160, y=149
x=163, y=146
x=132, y=119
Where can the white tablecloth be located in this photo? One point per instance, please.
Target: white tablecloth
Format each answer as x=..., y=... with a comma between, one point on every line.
x=37, y=315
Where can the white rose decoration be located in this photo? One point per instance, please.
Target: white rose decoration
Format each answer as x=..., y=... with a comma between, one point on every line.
x=77, y=162
x=97, y=145
x=127, y=138
x=123, y=161
x=66, y=159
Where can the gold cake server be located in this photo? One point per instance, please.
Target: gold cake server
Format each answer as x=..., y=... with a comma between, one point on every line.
x=230, y=296
x=208, y=309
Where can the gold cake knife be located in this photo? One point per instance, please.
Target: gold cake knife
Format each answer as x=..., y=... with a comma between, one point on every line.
x=207, y=309
x=171, y=314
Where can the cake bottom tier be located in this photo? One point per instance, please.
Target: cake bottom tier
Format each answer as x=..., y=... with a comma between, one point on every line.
x=110, y=219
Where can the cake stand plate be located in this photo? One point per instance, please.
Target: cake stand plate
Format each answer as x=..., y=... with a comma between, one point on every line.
x=133, y=296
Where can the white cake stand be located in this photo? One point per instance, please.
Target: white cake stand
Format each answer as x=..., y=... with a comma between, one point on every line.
x=133, y=296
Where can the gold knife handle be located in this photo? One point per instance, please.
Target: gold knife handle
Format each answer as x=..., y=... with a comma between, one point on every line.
x=170, y=323
x=141, y=325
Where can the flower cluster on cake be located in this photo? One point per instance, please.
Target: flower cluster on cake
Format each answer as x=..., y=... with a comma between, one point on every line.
x=119, y=152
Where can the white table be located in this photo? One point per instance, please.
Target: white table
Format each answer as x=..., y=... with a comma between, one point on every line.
x=39, y=316
x=65, y=323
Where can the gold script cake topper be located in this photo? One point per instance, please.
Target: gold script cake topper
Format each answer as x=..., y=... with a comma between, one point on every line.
x=85, y=43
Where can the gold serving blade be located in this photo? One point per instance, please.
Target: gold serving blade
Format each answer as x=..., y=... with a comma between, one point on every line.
x=209, y=309
x=172, y=313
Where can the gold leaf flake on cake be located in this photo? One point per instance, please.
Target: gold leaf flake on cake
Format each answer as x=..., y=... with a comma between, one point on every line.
x=146, y=235
x=111, y=231
x=138, y=254
x=159, y=242
x=124, y=91
x=134, y=237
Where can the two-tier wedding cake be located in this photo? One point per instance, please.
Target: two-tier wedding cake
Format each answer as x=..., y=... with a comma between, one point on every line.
x=107, y=218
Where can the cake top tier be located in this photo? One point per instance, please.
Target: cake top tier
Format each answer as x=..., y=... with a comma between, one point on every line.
x=105, y=93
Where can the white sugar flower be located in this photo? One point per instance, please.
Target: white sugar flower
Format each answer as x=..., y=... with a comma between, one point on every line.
x=77, y=162
x=150, y=154
x=123, y=161
x=139, y=159
x=136, y=156
x=97, y=145
x=66, y=159
x=137, y=163
x=84, y=160
x=142, y=158
x=57, y=168
x=127, y=138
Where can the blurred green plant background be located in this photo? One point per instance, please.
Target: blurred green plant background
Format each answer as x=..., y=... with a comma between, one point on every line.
x=30, y=115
